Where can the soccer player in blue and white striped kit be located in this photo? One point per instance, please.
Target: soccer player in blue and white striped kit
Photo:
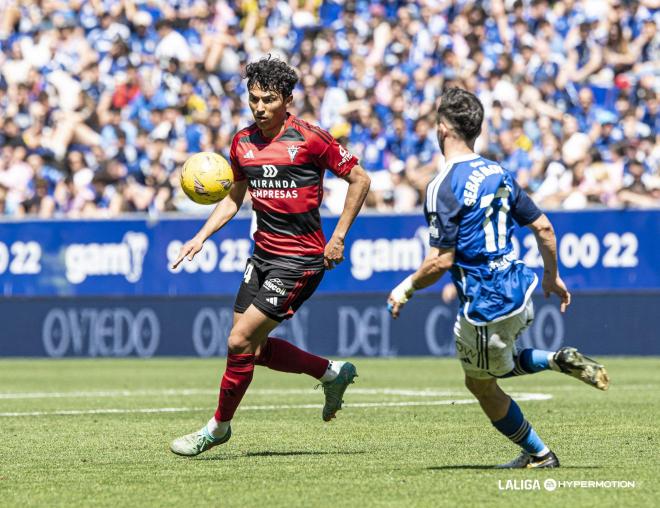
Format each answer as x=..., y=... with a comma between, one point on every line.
x=471, y=208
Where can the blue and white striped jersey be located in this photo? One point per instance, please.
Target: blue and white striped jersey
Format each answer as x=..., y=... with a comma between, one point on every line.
x=472, y=206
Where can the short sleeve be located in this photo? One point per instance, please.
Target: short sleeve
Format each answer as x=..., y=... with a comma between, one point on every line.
x=523, y=209
x=331, y=155
x=443, y=216
x=233, y=160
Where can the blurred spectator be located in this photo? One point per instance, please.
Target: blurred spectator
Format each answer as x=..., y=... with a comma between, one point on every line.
x=639, y=192
x=101, y=102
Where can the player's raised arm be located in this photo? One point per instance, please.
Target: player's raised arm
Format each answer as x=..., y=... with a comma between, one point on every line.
x=358, y=188
x=547, y=243
x=223, y=213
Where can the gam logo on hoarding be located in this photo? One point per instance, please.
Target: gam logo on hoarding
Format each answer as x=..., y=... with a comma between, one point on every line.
x=388, y=254
x=125, y=258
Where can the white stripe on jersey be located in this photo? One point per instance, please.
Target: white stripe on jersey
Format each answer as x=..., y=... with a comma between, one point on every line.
x=433, y=187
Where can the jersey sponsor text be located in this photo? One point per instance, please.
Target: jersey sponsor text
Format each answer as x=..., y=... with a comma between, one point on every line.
x=274, y=194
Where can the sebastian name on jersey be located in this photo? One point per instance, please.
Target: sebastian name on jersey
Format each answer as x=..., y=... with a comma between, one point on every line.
x=285, y=181
x=474, y=206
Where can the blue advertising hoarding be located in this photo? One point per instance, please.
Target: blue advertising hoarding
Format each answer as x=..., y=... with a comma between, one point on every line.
x=106, y=288
x=598, y=251
x=331, y=325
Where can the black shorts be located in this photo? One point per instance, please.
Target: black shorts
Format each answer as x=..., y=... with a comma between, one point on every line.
x=276, y=291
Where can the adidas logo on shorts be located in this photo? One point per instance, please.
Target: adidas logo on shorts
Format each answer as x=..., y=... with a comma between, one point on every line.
x=272, y=300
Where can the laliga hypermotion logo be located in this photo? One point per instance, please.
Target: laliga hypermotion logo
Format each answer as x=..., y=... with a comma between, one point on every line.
x=125, y=258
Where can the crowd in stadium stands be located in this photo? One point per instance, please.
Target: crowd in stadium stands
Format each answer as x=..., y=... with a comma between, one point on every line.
x=102, y=100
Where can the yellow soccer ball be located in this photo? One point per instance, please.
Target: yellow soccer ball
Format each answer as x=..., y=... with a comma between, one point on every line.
x=206, y=178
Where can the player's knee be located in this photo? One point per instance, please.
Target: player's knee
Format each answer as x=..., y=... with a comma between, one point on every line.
x=481, y=388
x=238, y=343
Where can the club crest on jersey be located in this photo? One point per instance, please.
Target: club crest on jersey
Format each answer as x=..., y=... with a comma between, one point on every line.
x=433, y=226
x=293, y=150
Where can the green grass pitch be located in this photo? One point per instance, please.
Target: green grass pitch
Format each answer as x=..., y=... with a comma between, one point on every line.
x=76, y=433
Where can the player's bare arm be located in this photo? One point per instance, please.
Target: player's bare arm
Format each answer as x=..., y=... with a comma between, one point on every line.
x=434, y=266
x=223, y=213
x=547, y=243
x=358, y=188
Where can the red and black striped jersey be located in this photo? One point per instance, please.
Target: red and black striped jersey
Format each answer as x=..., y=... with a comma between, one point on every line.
x=285, y=180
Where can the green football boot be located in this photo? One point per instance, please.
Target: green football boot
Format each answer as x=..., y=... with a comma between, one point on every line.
x=570, y=361
x=334, y=390
x=197, y=442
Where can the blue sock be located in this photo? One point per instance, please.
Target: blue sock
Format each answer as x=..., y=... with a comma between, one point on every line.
x=529, y=361
x=517, y=429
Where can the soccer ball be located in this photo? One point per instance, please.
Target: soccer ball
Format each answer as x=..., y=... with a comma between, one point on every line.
x=206, y=178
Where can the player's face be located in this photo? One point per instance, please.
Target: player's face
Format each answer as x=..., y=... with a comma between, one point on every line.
x=268, y=108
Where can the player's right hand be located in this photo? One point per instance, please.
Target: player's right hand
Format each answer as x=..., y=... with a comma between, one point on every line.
x=394, y=306
x=189, y=249
x=400, y=296
x=556, y=286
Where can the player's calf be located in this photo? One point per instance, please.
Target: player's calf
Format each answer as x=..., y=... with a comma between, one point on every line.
x=281, y=355
x=516, y=428
x=507, y=417
x=530, y=361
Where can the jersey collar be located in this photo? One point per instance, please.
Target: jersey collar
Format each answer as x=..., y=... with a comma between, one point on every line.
x=462, y=158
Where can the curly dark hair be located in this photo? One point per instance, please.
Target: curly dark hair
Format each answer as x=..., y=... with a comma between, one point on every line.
x=463, y=110
x=272, y=74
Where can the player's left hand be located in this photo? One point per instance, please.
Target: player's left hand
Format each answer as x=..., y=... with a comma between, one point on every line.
x=334, y=252
x=556, y=286
x=449, y=293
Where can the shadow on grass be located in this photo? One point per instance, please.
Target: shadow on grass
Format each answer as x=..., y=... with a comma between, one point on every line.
x=290, y=453
x=269, y=453
x=458, y=466
x=493, y=468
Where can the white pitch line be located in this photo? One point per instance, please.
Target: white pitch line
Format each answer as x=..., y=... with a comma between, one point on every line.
x=102, y=394
x=194, y=391
x=78, y=412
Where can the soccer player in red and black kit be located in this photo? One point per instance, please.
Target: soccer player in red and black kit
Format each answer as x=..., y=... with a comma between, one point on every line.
x=281, y=160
